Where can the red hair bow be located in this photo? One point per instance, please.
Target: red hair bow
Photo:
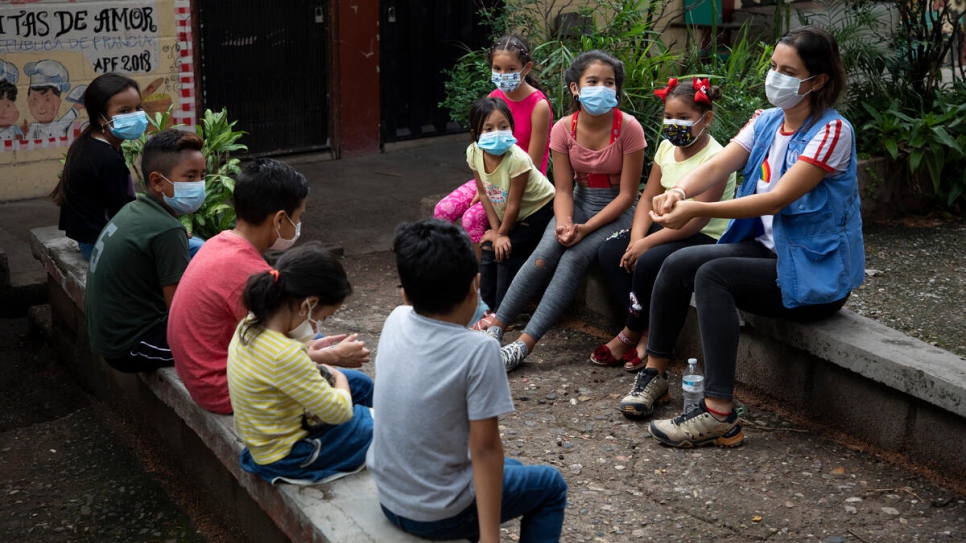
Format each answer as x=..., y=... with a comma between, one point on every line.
x=662, y=93
x=701, y=87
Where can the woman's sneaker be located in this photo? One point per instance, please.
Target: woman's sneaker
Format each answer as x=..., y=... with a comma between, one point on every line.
x=513, y=354
x=650, y=389
x=698, y=428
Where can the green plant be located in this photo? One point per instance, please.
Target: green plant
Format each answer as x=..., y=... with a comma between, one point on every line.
x=220, y=140
x=933, y=144
x=468, y=80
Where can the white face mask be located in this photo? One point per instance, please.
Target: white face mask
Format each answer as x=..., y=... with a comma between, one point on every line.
x=782, y=90
x=281, y=243
x=309, y=328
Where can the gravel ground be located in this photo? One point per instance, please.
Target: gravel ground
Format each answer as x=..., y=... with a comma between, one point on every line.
x=916, y=280
x=70, y=471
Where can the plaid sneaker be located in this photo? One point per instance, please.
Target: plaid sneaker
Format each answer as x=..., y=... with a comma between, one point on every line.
x=513, y=354
x=650, y=389
x=698, y=428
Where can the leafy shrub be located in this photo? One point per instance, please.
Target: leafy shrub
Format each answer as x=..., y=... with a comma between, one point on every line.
x=220, y=140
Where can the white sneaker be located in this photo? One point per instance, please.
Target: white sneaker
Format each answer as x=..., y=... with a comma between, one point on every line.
x=513, y=354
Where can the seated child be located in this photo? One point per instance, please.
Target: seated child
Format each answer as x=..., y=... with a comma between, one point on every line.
x=269, y=200
x=275, y=386
x=140, y=255
x=436, y=457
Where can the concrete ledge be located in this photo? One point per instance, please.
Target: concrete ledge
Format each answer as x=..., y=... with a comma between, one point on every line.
x=346, y=510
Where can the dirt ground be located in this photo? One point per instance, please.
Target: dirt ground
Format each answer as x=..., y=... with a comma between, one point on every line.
x=788, y=482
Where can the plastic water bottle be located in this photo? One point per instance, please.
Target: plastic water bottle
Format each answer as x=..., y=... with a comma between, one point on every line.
x=692, y=383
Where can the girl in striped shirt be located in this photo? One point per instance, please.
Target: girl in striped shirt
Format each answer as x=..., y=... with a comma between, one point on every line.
x=274, y=383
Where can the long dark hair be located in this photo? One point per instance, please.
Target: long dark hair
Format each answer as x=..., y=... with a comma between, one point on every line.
x=515, y=43
x=580, y=64
x=303, y=271
x=820, y=53
x=480, y=111
x=96, y=97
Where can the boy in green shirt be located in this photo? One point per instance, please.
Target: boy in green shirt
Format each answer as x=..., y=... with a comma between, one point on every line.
x=140, y=255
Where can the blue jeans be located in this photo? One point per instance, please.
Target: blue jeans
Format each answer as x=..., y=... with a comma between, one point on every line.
x=85, y=249
x=194, y=243
x=536, y=493
x=331, y=450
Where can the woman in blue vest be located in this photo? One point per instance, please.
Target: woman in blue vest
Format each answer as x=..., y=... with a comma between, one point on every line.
x=793, y=251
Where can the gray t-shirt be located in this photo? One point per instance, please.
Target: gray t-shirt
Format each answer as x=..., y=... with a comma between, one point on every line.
x=432, y=379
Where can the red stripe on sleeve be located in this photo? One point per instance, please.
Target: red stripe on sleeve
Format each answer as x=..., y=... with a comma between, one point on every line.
x=837, y=125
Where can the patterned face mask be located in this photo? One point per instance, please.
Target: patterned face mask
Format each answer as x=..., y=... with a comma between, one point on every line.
x=507, y=82
x=679, y=132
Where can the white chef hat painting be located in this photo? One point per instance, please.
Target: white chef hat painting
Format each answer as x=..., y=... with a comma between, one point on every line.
x=9, y=72
x=47, y=73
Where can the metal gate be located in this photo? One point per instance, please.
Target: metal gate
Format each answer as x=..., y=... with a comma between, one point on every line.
x=266, y=62
x=418, y=40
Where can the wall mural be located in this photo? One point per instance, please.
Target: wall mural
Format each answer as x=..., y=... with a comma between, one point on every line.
x=50, y=50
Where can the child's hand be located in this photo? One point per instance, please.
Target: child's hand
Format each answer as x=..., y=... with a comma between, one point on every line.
x=576, y=234
x=633, y=252
x=566, y=231
x=502, y=247
x=676, y=218
x=664, y=203
x=351, y=352
x=489, y=235
x=323, y=342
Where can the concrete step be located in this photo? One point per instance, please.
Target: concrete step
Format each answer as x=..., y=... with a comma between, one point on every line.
x=23, y=281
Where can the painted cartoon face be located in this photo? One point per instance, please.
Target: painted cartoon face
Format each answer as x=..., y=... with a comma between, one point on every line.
x=8, y=112
x=43, y=104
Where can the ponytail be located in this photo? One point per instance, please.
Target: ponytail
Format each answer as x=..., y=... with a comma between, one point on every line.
x=263, y=295
x=303, y=271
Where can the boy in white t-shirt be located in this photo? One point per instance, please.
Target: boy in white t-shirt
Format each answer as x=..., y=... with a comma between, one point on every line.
x=436, y=455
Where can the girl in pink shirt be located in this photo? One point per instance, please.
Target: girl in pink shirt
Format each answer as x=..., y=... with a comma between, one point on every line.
x=598, y=156
x=512, y=67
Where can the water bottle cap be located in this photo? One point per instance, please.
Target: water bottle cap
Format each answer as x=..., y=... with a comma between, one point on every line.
x=692, y=361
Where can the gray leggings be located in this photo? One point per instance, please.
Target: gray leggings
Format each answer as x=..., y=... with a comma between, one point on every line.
x=563, y=267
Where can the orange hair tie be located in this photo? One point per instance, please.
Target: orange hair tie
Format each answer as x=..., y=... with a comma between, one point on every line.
x=274, y=274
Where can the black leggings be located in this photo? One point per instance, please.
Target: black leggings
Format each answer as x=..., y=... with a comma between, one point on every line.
x=634, y=289
x=495, y=277
x=723, y=277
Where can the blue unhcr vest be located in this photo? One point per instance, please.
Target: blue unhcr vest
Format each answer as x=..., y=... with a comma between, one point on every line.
x=818, y=238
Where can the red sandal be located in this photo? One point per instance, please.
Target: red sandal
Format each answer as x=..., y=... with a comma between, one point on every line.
x=603, y=357
x=632, y=362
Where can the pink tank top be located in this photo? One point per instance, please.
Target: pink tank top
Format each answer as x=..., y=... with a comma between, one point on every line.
x=522, y=112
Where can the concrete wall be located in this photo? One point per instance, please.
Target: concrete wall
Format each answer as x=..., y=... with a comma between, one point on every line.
x=67, y=44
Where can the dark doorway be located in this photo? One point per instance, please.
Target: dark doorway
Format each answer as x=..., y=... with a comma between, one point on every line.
x=419, y=39
x=267, y=63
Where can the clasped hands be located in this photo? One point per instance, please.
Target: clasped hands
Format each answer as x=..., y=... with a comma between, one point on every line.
x=569, y=234
x=671, y=210
x=340, y=350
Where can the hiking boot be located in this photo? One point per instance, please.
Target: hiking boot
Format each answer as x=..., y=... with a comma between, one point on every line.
x=650, y=389
x=513, y=354
x=698, y=428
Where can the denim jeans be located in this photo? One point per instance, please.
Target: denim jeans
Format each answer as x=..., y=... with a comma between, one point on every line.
x=334, y=449
x=536, y=493
x=724, y=278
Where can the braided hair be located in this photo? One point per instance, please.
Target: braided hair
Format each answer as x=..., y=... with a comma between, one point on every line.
x=517, y=44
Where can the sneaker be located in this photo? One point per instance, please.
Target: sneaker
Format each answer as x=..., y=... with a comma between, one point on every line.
x=650, y=389
x=494, y=332
x=513, y=354
x=698, y=428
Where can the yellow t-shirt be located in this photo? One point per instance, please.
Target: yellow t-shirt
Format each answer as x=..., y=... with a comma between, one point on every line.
x=515, y=162
x=272, y=381
x=672, y=171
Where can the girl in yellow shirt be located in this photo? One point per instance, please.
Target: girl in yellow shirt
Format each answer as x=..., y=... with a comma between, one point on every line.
x=274, y=383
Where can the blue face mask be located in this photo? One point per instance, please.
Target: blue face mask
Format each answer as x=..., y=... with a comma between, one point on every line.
x=497, y=142
x=129, y=126
x=507, y=82
x=598, y=99
x=188, y=196
x=481, y=309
